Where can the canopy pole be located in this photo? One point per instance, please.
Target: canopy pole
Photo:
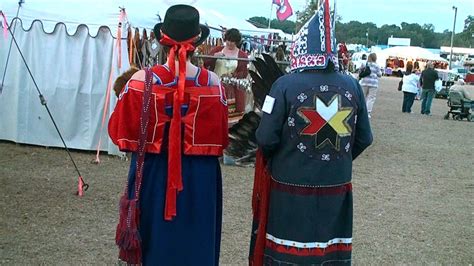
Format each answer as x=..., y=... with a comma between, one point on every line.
x=270, y=17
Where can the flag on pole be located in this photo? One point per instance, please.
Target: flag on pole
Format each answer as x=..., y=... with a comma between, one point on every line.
x=4, y=23
x=284, y=9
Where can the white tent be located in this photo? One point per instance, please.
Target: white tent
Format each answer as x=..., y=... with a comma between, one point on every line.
x=71, y=49
x=410, y=53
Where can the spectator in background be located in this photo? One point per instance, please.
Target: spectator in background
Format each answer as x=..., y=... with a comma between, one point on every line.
x=410, y=88
x=137, y=50
x=145, y=45
x=363, y=61
x=154, y=49
x=416, y=67
x=283, y=44
x=231, y=69
x=280, y=56
x=370, y=84
x=427, y=81
x=466, y=91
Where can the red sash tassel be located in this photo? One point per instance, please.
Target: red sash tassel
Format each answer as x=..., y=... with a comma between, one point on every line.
x=127, y=236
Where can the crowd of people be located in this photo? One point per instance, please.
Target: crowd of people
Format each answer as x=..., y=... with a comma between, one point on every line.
x=418, y=82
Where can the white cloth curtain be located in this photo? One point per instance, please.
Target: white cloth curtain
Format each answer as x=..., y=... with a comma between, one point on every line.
x=72, y=72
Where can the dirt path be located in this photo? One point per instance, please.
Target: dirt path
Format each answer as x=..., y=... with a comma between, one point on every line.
x=413, y=192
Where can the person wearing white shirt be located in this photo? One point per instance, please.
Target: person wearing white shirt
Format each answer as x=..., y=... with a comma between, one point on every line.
x=410, y=88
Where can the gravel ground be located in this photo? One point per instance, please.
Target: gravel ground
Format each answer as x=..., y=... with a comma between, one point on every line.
x=413, y=193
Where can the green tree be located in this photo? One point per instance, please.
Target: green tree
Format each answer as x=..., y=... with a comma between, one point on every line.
x=469, y=23
x=286, y=26
x=466, y=37
x=260, y=22
x=355, y=31
x=387, y=31
x=306, y=14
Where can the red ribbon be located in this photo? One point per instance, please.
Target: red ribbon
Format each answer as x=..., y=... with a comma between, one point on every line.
x=118, y=53
x=175, y=180
x=327, y=26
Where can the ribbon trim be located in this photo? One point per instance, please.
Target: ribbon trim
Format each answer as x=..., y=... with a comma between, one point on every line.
x=175, y=180
x=327, y=26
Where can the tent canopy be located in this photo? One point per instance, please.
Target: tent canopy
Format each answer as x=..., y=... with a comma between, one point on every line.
x=143, y=14
x=409, y=52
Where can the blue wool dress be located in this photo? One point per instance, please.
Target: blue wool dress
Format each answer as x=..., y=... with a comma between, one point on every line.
x=193, y=236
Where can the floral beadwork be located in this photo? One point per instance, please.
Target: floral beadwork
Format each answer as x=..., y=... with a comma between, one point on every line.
x=302, y=97
x=291, y=122
x=348, y=95
x=301, y=147
x=325, y=157
x=300, y=46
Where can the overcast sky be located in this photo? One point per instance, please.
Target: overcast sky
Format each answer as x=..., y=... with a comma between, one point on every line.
x=437, y=12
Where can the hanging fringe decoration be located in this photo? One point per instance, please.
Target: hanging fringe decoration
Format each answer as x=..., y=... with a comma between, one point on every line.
x=130, y=45
x=122, y=18
x=242, y=83
x=117, y=52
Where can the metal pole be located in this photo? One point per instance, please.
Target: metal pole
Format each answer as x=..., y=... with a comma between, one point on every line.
x=367, y=35
x=270, y=17
x=452, y=37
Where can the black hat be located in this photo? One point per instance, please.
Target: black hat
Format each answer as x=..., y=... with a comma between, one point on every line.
x=182, y=23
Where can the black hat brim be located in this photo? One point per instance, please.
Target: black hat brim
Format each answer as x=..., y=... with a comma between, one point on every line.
x=204, y=33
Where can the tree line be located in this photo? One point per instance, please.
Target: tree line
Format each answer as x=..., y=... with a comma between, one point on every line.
x=363, y=33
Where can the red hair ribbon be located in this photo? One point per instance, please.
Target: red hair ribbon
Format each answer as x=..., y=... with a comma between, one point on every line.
x=175, y=180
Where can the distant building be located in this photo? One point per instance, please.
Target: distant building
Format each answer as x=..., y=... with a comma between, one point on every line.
x=398, y=42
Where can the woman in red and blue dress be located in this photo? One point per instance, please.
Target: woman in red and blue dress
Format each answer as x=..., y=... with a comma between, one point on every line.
x=178, y=225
